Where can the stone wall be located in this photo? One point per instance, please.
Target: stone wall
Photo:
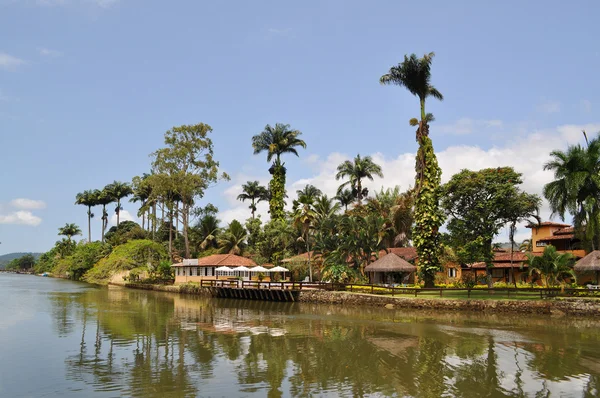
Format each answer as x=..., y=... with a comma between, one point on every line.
x=557, y=306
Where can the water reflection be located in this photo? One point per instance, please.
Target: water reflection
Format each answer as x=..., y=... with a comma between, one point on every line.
x=140, y=343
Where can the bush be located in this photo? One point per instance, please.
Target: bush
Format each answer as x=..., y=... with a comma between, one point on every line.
x=144, y=254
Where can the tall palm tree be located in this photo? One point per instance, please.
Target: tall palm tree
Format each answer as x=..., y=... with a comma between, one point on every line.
x=88, y=198
x=142, y=193
x=69, y=230
x=233, y=240
x=356, y=171
x=414, y=74
x=345, y=197
x=576, y=188
x=277, y=141
x=119, y=190
x=104, y=198
x=255, y=193
x=310, y=192
x=208, y=229
x=552, y=266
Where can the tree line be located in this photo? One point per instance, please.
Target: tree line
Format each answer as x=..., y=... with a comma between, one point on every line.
x=347, y=231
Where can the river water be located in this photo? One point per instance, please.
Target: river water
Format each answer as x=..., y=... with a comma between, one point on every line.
x=62, y=338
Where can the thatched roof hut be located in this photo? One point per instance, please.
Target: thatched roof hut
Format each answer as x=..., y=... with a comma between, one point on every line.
x=591, y=262
x=390, y=263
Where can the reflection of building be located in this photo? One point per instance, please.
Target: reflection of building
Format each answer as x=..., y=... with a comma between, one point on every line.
x=195, y=270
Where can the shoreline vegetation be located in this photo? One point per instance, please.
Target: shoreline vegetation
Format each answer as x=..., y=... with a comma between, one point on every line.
x=340, y=235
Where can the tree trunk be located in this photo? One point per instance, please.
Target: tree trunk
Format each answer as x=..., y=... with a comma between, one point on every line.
x=176, y=220
x=310, y=270
x=103, y=221
x=144, y=221
x=359, y=195
x=170, y=233
x=154, y=221
x=118, y=212
x=89, y=224
x=185, y=215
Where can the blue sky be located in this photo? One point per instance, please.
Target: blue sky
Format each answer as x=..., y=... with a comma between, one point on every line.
x=88, y=88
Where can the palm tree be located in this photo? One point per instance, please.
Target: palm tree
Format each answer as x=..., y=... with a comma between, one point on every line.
x=576, y=188
x=276, y=141
x=142, y=193
x=255, y=193
x=208, y=229
x=88, y=198
x=526, y=246
x=552, y=266
x=233, y=240
x=104, y=198
x=345, y=197
x=414, y=74
x=357, y=171
x=304, y=217
x=118, y=190
x=69, y=230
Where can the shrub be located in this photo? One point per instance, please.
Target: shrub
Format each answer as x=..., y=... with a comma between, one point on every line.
x=144, y=254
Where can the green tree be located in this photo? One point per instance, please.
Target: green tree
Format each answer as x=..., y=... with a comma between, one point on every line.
x=414, y=74
x=187, y=168
x=576, y=188
x=277, y=141
x=479, y=204
x=118, y=190
x=208, y=232
x=233, y=239
x=396, y=207
x=552, y=266
x=104, y=198
x=356, y=171
x=345, y=197
x=89, y=199
x=255, y=193
x=304, y=216
x=69, y=230
x=142, y=193
x=25, y=263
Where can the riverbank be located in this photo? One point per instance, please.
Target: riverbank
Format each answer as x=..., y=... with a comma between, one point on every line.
x=550, y=306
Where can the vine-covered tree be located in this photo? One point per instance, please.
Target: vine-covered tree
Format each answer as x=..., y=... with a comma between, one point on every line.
x=415, y=75
x=277, y=141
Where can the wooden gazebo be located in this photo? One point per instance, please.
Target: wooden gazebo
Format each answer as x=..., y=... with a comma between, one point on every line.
x=380, y=269
x=591, y=262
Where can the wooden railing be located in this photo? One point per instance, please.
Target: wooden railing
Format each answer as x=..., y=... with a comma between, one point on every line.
x=399, y=290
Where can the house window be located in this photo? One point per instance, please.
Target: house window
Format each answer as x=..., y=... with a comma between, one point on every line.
x=451, y=272
x=178, y=272
x=497, y=273
x=541, y=244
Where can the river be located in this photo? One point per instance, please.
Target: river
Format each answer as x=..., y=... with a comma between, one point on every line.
x=62, y=338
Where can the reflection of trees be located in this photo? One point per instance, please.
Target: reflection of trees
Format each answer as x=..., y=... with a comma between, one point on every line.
x=140, y=343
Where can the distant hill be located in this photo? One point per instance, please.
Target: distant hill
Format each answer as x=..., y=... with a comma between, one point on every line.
x=7, y=258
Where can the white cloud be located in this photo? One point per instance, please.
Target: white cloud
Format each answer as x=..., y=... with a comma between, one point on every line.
x=28, y=204
x=20, y=218
x=468, y=126
x=123, y=216
x=7, y=61
x=548, y=107
x=46, y=52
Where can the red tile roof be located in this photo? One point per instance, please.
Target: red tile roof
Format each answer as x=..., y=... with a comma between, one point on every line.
x=221, y=260
x=565, y=231
x=547, y=224
x=558, y=237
